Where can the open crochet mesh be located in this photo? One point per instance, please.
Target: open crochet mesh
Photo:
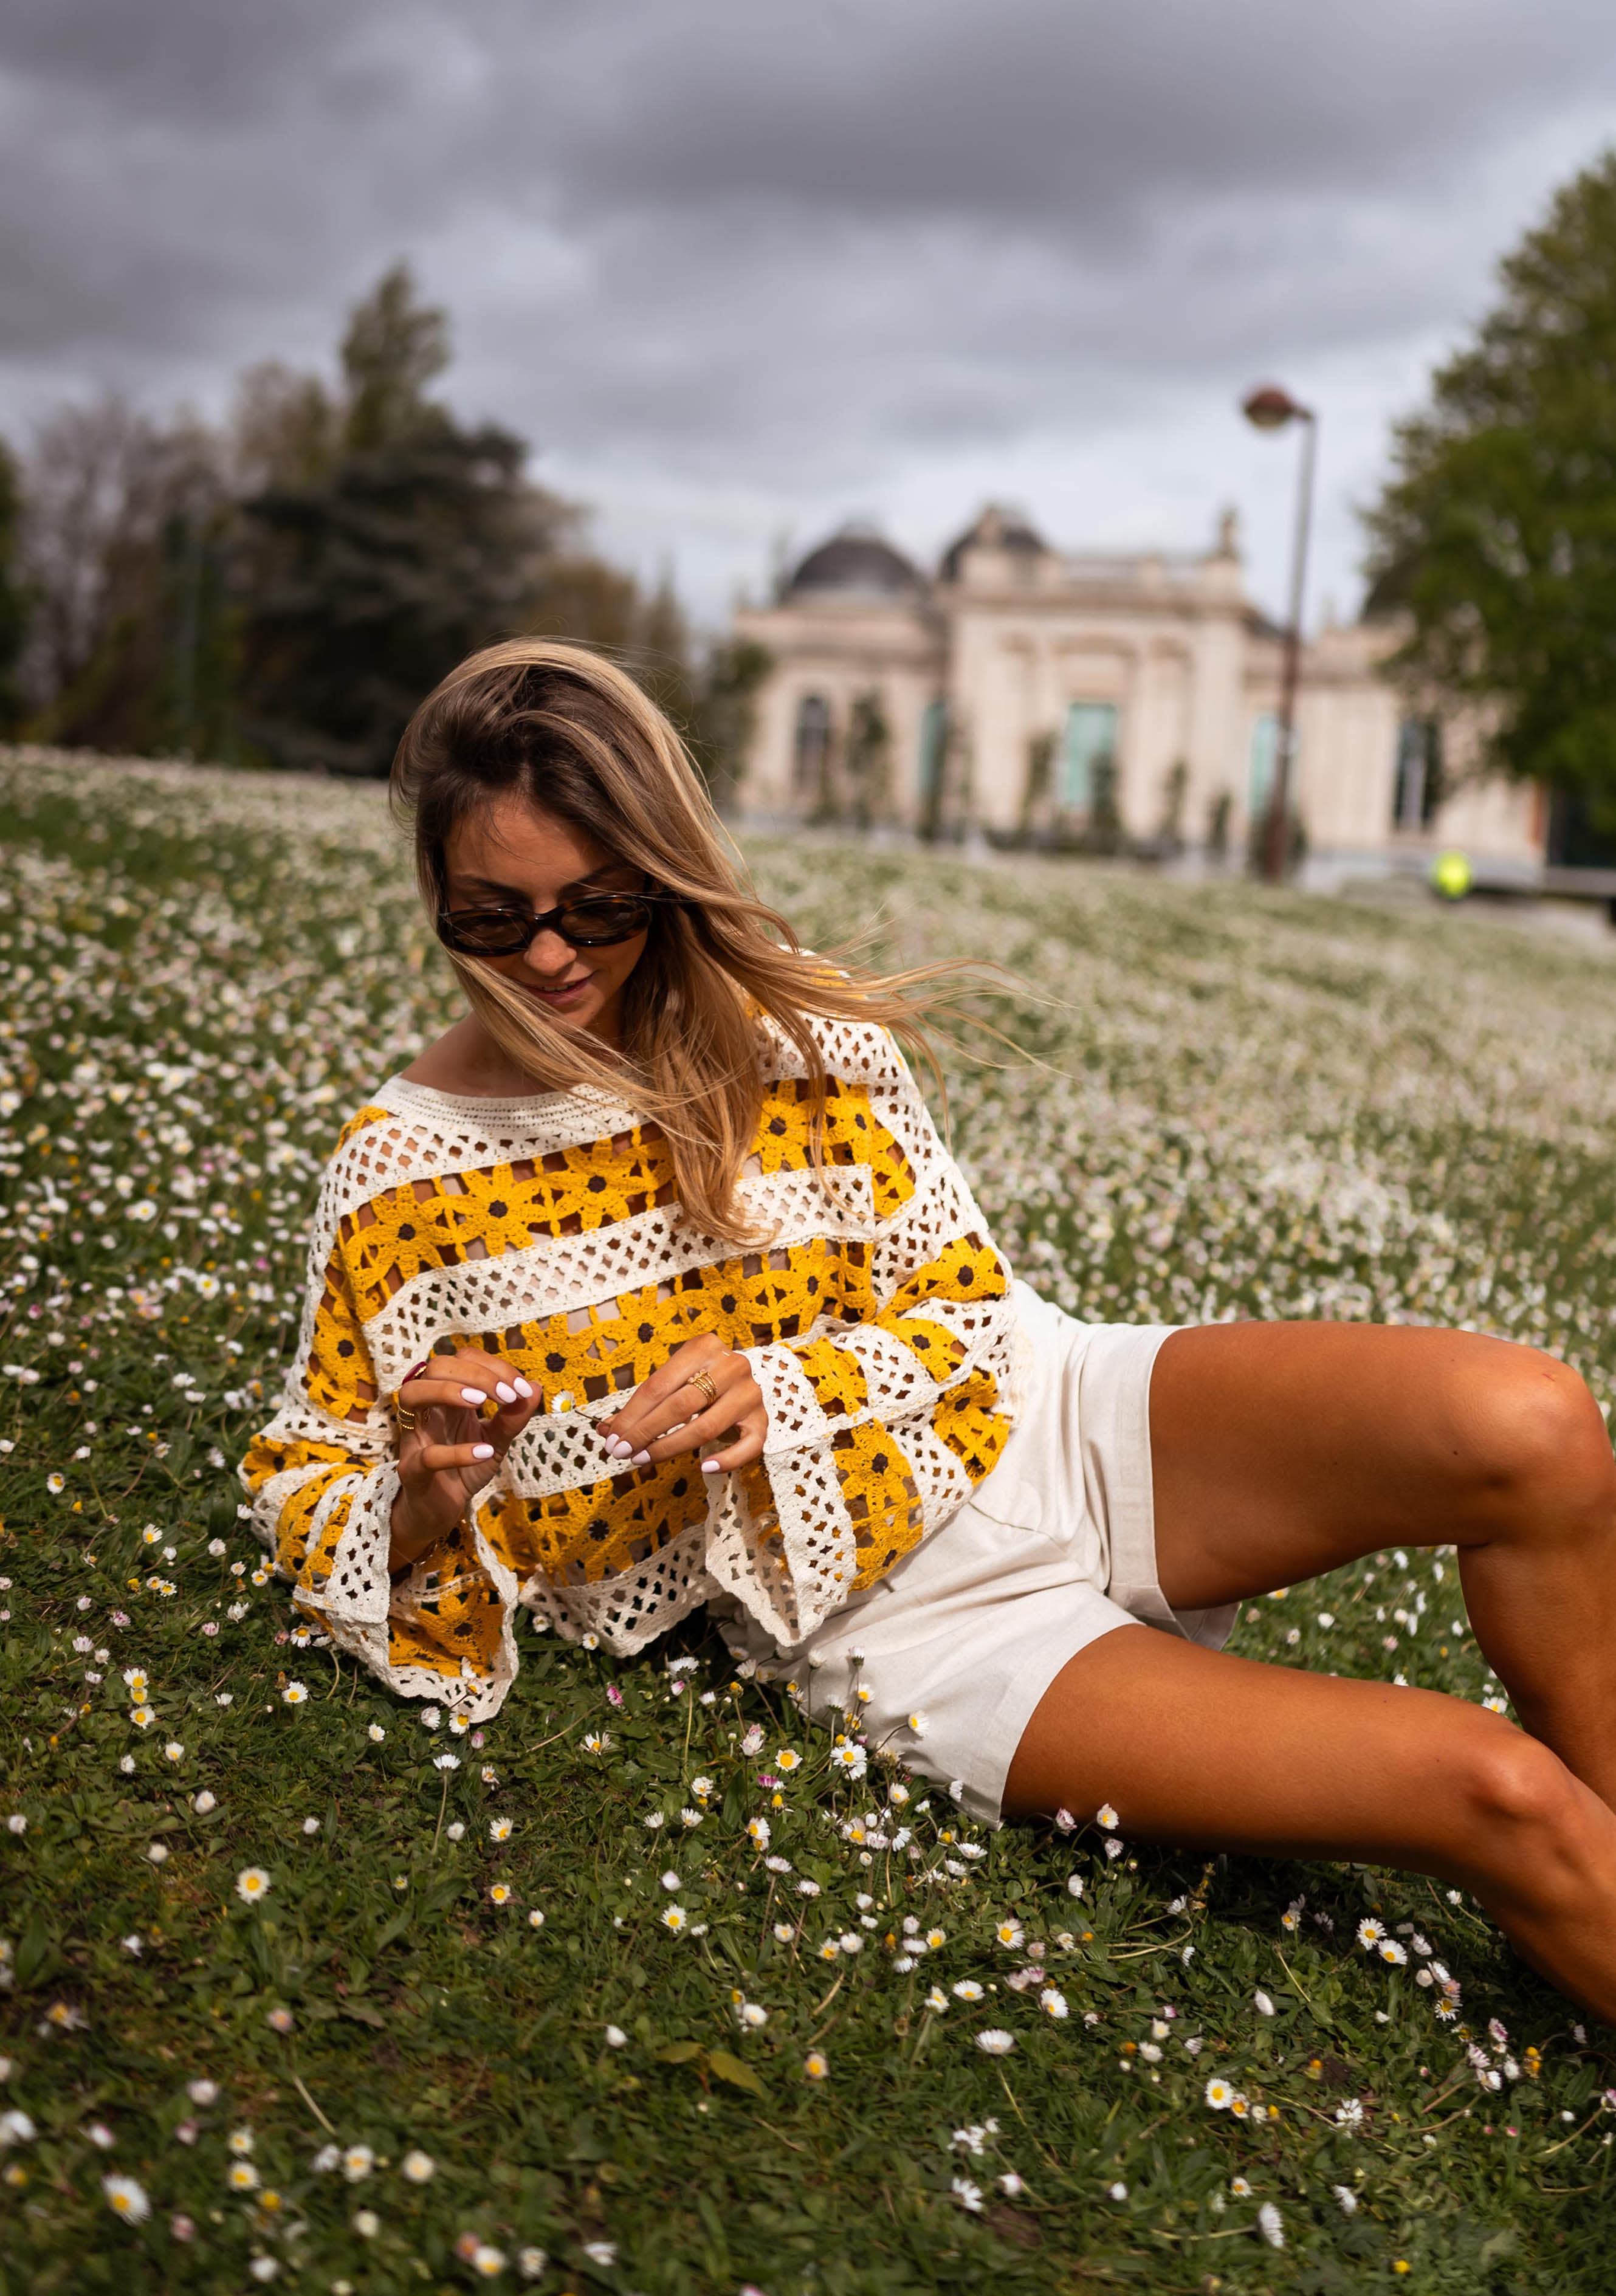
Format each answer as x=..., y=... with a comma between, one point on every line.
x=877, y=1320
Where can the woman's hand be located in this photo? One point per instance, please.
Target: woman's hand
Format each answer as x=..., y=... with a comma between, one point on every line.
x=452, y=1450
x=666, y=1416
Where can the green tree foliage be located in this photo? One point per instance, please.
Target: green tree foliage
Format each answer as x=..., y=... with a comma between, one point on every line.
x=285, y=589
x=387, y=541
x=1497, y=534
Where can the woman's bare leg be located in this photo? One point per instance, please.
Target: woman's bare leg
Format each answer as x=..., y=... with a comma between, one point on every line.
x=1196, y=1748
x=1282, y=1450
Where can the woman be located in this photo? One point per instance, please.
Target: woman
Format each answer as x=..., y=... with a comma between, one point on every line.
x=650, y=1284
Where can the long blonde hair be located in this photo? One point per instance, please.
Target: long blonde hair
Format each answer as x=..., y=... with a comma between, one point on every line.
x=568, y=731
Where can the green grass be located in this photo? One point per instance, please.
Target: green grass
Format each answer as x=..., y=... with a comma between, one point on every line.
x=1254, y=1104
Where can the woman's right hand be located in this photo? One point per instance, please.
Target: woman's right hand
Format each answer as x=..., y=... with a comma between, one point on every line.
x=451, y=1451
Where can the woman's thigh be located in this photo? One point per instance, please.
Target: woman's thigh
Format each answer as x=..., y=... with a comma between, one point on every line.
x=1280, y=1450
x=1209, y=1751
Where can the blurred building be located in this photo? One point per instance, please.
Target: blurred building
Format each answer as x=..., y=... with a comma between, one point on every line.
x=1098, y=701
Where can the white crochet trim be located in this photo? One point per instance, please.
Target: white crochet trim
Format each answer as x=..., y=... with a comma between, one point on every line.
x=789, y=1568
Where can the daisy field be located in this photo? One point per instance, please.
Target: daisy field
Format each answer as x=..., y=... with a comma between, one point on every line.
x=644, y=1985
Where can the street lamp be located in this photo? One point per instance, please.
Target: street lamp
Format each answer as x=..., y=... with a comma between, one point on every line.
x=1270, y=408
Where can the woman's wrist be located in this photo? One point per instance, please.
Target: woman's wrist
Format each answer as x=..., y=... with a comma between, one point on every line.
x=408, y=1539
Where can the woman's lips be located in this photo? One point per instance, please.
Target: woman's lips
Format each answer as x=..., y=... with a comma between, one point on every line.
x=565, y=992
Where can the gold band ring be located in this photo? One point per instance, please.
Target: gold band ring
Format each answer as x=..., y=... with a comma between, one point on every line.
x=703, y=1383
x=403, y=1415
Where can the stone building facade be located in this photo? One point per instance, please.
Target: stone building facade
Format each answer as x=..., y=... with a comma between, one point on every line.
x=1023, y=693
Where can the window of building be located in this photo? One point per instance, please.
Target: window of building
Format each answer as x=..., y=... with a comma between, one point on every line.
x=813, y=745
x=1416, y=790
x=933, y=738
x=1260, y=776
x=1088, y=754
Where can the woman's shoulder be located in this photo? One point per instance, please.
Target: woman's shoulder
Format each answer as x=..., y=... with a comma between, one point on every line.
x=854, y=1052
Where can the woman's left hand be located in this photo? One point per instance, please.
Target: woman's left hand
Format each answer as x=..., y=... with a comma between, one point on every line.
x=666, y=1415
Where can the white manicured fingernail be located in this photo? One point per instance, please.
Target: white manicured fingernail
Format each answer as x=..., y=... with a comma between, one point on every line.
x=482, y=1450
x=711, y=1467
x=523, y=1390
x=505, y=1394
x=642, y=1458
x=474, y=1394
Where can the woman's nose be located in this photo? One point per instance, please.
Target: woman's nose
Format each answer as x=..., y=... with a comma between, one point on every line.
x=547, y=951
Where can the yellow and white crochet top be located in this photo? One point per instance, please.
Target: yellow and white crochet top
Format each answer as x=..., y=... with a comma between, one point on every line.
x=877, y=1319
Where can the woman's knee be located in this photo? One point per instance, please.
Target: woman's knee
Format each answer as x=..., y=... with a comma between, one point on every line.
x=1528, y=1446
x=1521, y=1816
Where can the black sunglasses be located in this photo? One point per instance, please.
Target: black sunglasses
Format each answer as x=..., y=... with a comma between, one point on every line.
x=593, y=920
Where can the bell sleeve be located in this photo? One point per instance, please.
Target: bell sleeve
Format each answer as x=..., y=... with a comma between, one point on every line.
x=879, y=1429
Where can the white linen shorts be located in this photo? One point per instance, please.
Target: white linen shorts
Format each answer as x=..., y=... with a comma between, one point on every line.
x=1055, y=1548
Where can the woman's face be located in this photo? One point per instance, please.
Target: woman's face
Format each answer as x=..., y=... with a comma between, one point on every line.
x=509, y=855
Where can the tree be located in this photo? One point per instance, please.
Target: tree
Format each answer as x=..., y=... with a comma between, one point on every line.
x=1496, y=536
x=15, y=601
x=386, y=542
x=123, y=530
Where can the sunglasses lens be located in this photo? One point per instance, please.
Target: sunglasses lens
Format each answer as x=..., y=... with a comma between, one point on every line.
x=486, y=932
x=592, y=924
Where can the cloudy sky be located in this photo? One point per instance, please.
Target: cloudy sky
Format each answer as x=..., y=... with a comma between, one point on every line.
x=744, y=268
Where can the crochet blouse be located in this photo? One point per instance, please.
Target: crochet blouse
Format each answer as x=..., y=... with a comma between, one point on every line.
x=876, y=1316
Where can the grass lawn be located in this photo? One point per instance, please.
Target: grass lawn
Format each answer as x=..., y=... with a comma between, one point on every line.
x=453, y=2031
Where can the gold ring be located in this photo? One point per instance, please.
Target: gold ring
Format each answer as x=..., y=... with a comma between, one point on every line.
x=702, y=1381
x=403, y=1415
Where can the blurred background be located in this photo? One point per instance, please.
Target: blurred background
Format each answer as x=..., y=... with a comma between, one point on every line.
x=871, y=376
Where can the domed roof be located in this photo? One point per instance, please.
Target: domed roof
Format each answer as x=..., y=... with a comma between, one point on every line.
x=996, y=529
x=856, y=563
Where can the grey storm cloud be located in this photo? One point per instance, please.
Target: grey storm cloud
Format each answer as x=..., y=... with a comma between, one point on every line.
x=786, y=255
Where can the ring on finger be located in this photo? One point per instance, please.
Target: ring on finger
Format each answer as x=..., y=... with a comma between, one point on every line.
x=402, y=1412
x=704, y=1384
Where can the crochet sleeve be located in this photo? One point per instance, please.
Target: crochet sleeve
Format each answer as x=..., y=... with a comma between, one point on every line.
x=886, y=1412
x=321, y=1478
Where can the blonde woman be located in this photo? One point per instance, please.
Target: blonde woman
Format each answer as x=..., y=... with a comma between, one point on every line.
x=649, y=1285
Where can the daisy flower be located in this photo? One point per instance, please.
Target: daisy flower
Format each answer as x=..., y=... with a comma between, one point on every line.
x=1391, y=1951
x=536, y=1919
x=375, y=1734
x=250, y=1884
x=1272, y=2224
x=937, y=2000
x=244, y=2177
x=1369, y=1935
x=175, y=1751
x=499, y=1829
x=1219, y=2094
x=126, y=2199
x=787, y=1761
x=1010, y=1934
x=595, y=1742
x=419, y=2167
x=674, y=1918
x=967, y=1989
x=295, y=1694
x=816, y=2065
x=995, y=2041
x=501, y=1893
x=357, y=2162
x=751, y=2014
x=143, y=1716
x=1106, y=1818
x=1053, y=2001
x=758, y=1829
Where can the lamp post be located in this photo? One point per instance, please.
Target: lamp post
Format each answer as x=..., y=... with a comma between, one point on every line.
x=1270, y=408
